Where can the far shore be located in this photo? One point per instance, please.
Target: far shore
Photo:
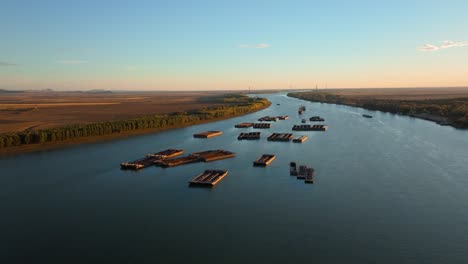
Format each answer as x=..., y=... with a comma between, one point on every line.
x=445, y=106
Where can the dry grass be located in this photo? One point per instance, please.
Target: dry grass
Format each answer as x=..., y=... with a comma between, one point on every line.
x=22, y=111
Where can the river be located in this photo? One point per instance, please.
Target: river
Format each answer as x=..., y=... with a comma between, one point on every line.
x=391, y=189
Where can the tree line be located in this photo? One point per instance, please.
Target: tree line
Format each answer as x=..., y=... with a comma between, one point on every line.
x=232, y=105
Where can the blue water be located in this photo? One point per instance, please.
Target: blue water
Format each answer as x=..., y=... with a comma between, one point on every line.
x=391, y=189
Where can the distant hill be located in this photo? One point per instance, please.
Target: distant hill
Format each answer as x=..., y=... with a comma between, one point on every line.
x=98, y=91
x=10, y=91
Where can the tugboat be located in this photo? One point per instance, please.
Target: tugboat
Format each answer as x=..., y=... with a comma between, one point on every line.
x=292, y=168
x=301, y=109
x=367, y=116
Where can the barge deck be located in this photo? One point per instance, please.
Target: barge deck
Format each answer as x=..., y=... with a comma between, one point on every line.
x=280, y=137
x=264, y=160
x=249, y=136
x=207, y=134
x=212, y=155
x=262, y=125
x=309, y=177
x=151, y=159
x=300, y=139
x=209, y=178
x=203, y=156
x=293, y=168
x=244, y=125
x=310, y=128
x=178, y=161
x=268, y=119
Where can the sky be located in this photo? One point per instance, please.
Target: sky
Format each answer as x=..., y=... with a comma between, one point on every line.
x=205, y=45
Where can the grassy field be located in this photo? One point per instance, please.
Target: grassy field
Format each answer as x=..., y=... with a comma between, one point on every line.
x=446, y=106
x=39, y=110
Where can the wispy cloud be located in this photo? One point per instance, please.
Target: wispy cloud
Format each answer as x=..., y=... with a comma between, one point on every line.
x=254, y=46
x=7, y=64
x=445, y=45
x=71, y=61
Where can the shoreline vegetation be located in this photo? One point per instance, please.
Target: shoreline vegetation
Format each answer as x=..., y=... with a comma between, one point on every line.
x=443, y=111
x=232, y=105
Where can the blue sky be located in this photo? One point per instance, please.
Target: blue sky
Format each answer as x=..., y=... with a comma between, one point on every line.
x=166, y=45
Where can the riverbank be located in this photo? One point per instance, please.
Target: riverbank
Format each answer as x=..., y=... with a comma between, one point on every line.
x=80, y=134
x=444, y=111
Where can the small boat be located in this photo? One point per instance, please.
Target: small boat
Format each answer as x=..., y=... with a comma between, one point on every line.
x=367, y=116
x=303, y=121
x=277, y=104
x=292, y=168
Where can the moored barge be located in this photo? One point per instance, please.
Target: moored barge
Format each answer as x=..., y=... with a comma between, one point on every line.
x=264, y=160
x=212, y=155
x=310, y=127
x=151, y=159
x=309, y=176
x=203, y=156
x=207, y=134
x=305, y=173
x=262, y=125
x=280, y=137
x=167, y=154
x=209, y=178
x=249, y=136
x=292, y=168
x=269, y=119
x=178, y=161
x=302, y=172
x=300, y=139
x=244, y=125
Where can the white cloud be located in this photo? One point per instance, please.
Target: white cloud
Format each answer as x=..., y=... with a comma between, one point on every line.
x=449, y=44
x=445, y=45
x=71, y=61
x=254, y=46
x=262, y=46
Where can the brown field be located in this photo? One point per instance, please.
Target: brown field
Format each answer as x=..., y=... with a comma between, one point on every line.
x=402, y=93
x=36, y=110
